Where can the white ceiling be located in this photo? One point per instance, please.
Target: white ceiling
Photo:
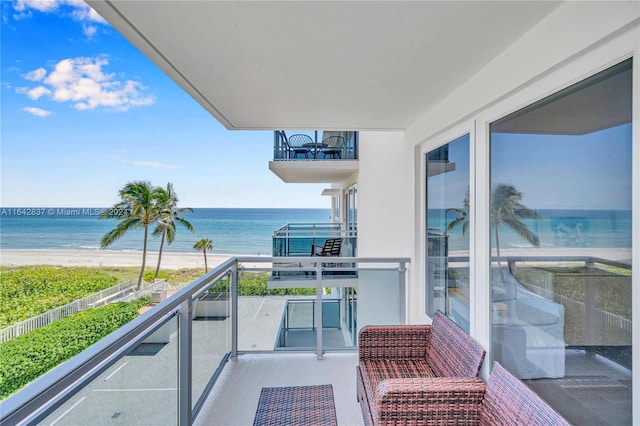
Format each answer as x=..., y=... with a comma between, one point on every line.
x=321, y=65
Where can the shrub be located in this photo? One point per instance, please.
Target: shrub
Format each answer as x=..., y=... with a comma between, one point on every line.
x=150, y=276
x=26, y=293
x=30, y=355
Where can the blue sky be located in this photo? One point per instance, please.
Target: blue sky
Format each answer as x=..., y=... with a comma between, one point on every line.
x=591, y=171
x=84, y=112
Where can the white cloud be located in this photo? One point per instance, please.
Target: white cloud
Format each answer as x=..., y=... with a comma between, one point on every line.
x=35, y=75
x=35, y=94
x=37, y=111
x=77, y=9
x=82, y=82
x=89, y=30
x=40, y=5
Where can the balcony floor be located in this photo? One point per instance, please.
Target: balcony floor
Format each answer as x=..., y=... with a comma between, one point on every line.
x=234, y=398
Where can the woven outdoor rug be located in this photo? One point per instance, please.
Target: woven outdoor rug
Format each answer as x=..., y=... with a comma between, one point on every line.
x=296, y=405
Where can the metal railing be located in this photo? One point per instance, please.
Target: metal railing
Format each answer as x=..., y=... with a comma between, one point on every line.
x=174, y=318
x=588, y=307
x=93, y=300
x=301, y=239
x=316, y=149
x=306, y=320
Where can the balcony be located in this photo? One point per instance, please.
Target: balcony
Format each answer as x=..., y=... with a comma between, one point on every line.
x=301, y=239
x=171, y=365
x=306, y=157
x=304, y=239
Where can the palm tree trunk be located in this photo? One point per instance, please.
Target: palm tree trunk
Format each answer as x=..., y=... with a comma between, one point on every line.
x=160, y=254
x=498, y=249
x=144, y=257
x=206, y=269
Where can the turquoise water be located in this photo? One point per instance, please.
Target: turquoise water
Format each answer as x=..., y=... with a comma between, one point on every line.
x=233, y=231
x=557, y=228
x=250, y=231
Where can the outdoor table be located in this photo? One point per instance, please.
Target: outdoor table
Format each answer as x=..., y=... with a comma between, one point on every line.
x=314, y=148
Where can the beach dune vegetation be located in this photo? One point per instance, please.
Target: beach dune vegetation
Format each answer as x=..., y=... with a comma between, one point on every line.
x=28, y=292
x=30, y=355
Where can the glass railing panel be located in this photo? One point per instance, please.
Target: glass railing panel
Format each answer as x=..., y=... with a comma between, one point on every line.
x=139, y=388
x=380, y=296
x=211, y=336
x=307, y=245
x=283, y=314
x=315, y=145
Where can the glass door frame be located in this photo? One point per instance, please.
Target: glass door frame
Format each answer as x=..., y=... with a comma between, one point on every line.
x=604, y=55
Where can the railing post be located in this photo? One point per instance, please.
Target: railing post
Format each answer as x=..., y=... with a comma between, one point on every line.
x=402, y=290
x=234, y=313
x=318, y=316
x=185, y=319
x=590, y=304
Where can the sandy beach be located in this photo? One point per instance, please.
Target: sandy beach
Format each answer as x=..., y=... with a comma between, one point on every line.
x=170, y=260
x=173, y=260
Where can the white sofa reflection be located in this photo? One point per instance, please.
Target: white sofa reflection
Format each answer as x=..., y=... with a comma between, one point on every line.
x=527, y=330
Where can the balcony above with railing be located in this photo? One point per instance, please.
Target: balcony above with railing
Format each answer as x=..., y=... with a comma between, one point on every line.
x=314, y=157
x=327, y=242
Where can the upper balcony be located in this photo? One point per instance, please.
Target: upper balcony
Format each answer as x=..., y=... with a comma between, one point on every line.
x=314, y=157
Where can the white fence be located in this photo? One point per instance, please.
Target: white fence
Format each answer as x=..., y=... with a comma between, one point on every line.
x=122, y=291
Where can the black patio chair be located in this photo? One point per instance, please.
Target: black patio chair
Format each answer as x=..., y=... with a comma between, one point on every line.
x=333, y=146
x=300, y=144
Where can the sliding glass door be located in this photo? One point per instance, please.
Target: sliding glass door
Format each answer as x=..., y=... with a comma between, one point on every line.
x=560, y=243
x=448, y=219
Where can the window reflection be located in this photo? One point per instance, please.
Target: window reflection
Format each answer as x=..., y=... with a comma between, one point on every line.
x=448, y=231
x=561, y=247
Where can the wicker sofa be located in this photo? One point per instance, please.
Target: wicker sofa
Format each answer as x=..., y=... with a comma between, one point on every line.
x=508, y=401
x=421, y=374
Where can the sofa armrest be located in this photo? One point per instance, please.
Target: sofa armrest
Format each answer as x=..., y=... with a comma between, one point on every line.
x=393, y=341
x=441, y=400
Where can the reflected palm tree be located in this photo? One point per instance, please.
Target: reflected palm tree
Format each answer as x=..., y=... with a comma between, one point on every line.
x=463, y=216
x=506, y=208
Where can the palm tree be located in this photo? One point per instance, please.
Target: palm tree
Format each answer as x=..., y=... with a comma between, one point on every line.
x=463, y=216
x=136, y=209
x=204, y=244
x=168, y=215
x=506, y=208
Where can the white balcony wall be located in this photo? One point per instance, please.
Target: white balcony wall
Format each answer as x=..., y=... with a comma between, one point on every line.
x=385, y=215
x=385, y=196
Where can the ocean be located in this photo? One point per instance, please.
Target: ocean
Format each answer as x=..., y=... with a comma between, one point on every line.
x=556, y=228
x=250, y=231
x=233, y=231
